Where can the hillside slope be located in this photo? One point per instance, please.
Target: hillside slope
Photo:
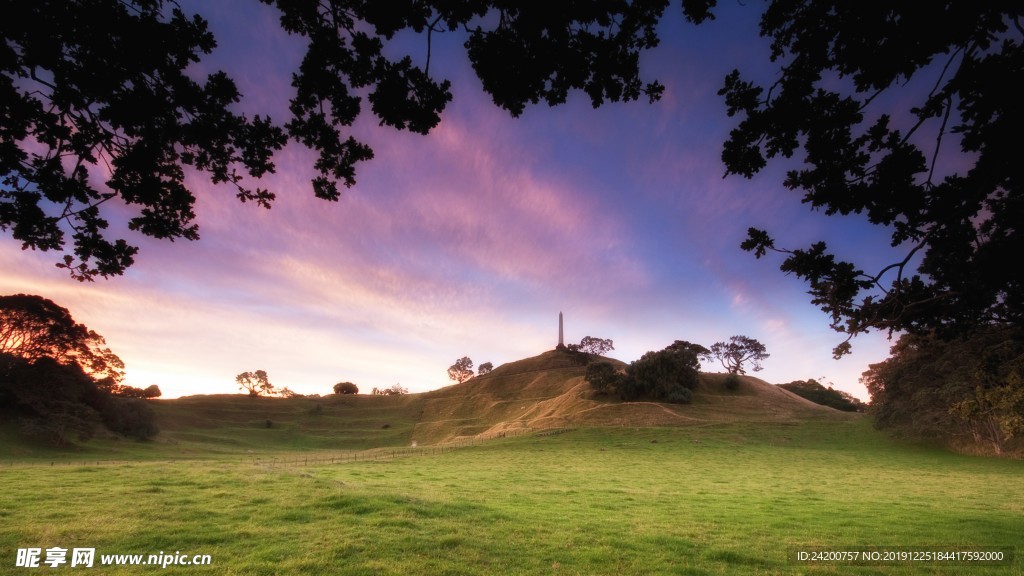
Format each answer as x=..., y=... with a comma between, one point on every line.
x=548, y=391
x=543, y=392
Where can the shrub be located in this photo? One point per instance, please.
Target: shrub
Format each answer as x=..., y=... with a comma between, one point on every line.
x=603, y=377
x=346, y=388
x=658, y=374
x=732, y=382
x=130, y=417
x=680, y=396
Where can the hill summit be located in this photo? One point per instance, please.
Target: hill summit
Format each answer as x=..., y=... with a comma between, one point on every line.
x=549, y=391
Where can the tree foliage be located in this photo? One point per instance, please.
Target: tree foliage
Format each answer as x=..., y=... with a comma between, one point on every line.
x=685, y=346
x=484, y=368
x=346, y=388
x=393, y=390
x=33, y=327
x=123, y=391
x=592, y=345
x=462, y=370
x=102, y=113
x=964, y=390
x=738, y=351
x=603, y=377
x=255, y=383
x=826, y=396
x=899, y=112
x=669, y=375
x=57, y=378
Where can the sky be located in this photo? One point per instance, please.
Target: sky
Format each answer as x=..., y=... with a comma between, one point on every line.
x=471, y=240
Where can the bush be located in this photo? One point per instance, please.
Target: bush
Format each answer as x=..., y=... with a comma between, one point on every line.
x=603, y=377
x=659, y=374
x=576, y=355
x=54, y=402
x=130, y=417
x=680, y=396
x=346, y=388
x=732, y=382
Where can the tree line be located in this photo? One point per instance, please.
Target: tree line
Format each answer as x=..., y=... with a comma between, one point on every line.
x=672, y=374
x=58, y=379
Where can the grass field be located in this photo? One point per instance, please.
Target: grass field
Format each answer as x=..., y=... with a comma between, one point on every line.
x=733, y=498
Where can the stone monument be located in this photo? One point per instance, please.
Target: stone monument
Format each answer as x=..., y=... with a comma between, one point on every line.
x=561, y=334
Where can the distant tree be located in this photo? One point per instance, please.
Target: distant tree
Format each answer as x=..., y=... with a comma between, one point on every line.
x=603, y=377
x=152, y=391
x=395, y=390
x=462, y=370
x=683, y=345
x=376, y=392
x=816, y=392
x=662, y=375
x=599, y=346
x=669, y=375
x=287, y=392
x=738, y=351
x=484, y=368
x=346, y=388
x=256, y=383
x=578, y=356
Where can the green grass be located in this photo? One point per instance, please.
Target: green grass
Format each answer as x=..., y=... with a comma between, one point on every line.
x=720, y=499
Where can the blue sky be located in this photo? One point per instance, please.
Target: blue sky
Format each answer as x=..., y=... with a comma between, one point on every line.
x=469, y=241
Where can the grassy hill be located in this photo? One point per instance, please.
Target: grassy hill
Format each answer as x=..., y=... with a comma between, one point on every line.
x=548, y=391
x=543, y=392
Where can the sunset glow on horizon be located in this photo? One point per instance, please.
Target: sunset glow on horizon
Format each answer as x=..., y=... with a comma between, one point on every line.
x=469, y=241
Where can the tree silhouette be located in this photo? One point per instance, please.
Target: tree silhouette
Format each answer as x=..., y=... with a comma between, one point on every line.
x=462, y=370
x=60, y=380
x=33, y=327
x=592, y=345
x=941, y=174
x=256, y=383
x=346, y=388
x=899, y=112
x=98, y=104
x=484, y=368
x=738, y=351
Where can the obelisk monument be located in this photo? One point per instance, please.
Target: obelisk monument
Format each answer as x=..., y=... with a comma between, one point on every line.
x=561, y=334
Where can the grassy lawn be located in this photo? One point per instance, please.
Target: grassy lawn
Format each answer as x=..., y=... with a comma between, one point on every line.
x=724, y=499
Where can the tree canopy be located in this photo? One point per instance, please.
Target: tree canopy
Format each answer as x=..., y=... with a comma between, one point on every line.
x=896, y=111
x=33, y=327
x=58, y=380
x=462, y=370
x=346, y=388
x=967, y=390
x=900, y=112
x=738, y=351
x=816, y=392
x=669, y=375
x=592, y=345
x=99, y=106
x=255, y=383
